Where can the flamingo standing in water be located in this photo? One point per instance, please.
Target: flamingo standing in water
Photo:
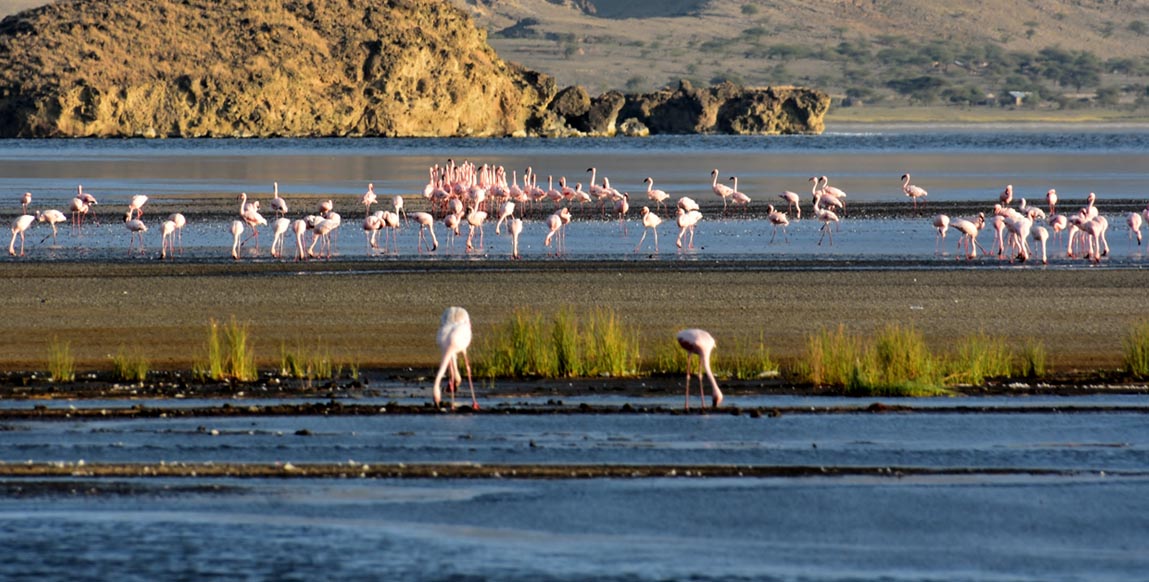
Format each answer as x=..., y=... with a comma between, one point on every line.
x=369, y=198
x=25, y=200
x=792, y=199
x=826, y=217
x=686, y=222
x=700, y=343
x=167, y=238
x=777, y=219
x=658, y=196
x=299, y=227
x=721, y=190
x=621, y=207
x=79, y=210
x=180, y=222
x=650, y=221
x=1041, y=235
x=738, y=198
x=54, y=217
x=249, y=213
x=279, y=228
x=397, y=202
x=1135, y=221
x=137, y=205
x=426, y=223
x=136, y=228
x=507, y=210
x=278, y=205
x=19, y=227
x=371, y=227
x=475, y=219
x=237, y=228
x=914, y=192
x=554, y=223
x=454, y=338
x=942, y=223
x=1006, y=196
x=1051, y=199
x=516, y=228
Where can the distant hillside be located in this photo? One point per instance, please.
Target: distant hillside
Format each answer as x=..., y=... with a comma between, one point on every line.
x=1061, y=53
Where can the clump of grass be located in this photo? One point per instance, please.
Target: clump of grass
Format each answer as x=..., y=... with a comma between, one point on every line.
x=833, y=357
x=745, y=360
x=668, y=358
x=230, y=355
x=1031, y=359
x=979, y=357
x=61, y=362
x=1137, y=350
x=130, y=367
x=309, y=364
x=601, y=345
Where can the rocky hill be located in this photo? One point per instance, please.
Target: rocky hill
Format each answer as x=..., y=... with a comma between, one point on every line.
x=257, y=67
x=203, y=68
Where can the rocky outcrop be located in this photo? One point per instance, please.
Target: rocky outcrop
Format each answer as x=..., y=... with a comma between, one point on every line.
x=248, y=68
x=258, y=68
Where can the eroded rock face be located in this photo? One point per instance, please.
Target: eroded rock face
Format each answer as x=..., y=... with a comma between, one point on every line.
x=263, y=68
x=258, y=68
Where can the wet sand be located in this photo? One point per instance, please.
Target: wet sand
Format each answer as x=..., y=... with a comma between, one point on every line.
x=384, y=315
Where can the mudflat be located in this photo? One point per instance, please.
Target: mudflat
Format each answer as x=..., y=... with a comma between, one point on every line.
x=385, y=314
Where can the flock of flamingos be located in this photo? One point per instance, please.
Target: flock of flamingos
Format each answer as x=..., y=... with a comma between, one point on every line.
x=458, y=194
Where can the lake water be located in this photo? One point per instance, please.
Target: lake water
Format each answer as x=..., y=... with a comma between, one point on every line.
x=963, y=170
x=1051, y=496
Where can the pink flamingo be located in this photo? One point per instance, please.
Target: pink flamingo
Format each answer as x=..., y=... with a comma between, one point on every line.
x=280, y=228
x=299, y=227
x=19, y=227
x=369, y=198
x=826, y=217
x=554, y=223
x=792, y=199
x=507, y=210
x=25, y=200
x=1051, y=199
x=454, y=338
x=180, y=222
x=650, y=221
x=136, y=228
x=721, y=190
x=700, y=343
x=52, y=217
x=475, y=220
x=621, y=207
x=516, y=228
x=686, y=222
x=137, y=205
x=969, y=230
x=451, y=221
x=658, y=196
x=237, y=228
x=371, y=227
x=777, y=219
x=941, y=222
x=79, y=210
x=322, y=232
x=1134, y=220
x=426, y=223
x=1006, y=195
x=278, y=205
x=249, y=213
x=1041, y=235
x=687, y=204
x=167, y=238
x=738, y=198
x=914, y=192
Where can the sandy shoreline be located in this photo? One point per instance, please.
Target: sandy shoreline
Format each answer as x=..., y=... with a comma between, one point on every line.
x=385, y=315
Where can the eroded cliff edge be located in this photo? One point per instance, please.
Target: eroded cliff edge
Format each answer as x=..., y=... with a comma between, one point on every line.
x=263, y=68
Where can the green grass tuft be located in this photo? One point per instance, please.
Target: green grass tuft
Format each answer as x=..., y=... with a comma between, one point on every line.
x=61, y=362
x=230, y=354
x=1031, y=359
x=977, y=358
x=745, y=360
x=1137, y=350
x=130, y=367
x=591, y=343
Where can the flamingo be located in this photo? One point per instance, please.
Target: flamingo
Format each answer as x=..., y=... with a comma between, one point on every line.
x=942, y=223
x=167, y=238
x=180, y=222
x=475, y=219
x=326, y=206
x=1006, y=195
x=507, y=210
x=249, y=213
x=79, y=210
x=278, y=205
x=19, y=226
x=658, y=196
x=25, y=200
x=554, y=223
x=299, y=227
x=280, y=227
x=237, y=228
x=1041, y=235
x=792, y=200
x=826, y=217
x=687, y=204
x=136, y=228
x=914, y=192
x=451, y=221
x=721, y=190
x=397, y=202
x=1135, y=220
x=686, y=222
x=454, y=338
x=137, y=205
x=1051, y=199
x=369, y=198
x=650, y=221
x=87, y=199
x=700, y=343
x=426, y=223
x=824, y=198
x=777, y=219
x=322, y=231
x=516, y=228
x=391, y=223
x=371, y=227
x=738, y=198
x=54, y=217
x=969, y=230
x=621, y=207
